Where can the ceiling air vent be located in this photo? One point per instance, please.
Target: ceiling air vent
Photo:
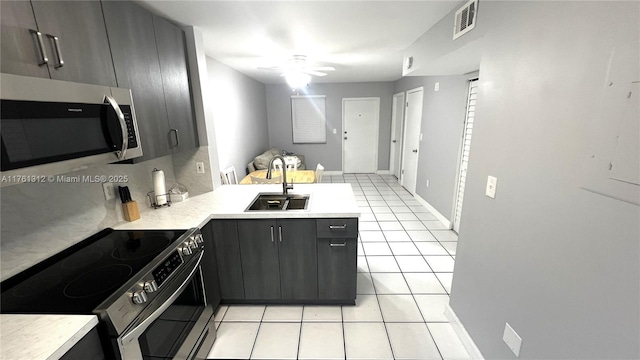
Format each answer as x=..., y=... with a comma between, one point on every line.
x=465, y=19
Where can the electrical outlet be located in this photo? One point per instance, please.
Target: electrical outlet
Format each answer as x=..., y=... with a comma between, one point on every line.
x=109, y=193
x=492, y=182
x=335, y=131
x=512, y=339
x=427, y=183
x=199, y=167
x=436, y=87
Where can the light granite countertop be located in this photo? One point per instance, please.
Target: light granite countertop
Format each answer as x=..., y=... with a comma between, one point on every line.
x=230, y=201
x=50, y=336
x=34, y=337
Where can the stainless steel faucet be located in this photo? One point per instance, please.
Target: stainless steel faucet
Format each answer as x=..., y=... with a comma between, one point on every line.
x=285, y=186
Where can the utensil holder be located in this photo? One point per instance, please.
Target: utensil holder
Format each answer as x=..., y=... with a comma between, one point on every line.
x=130, y=211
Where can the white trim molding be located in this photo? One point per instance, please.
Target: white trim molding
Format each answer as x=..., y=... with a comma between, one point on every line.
x=383, y=172
x=333, y=172
x=462, y=333
x=435, y=212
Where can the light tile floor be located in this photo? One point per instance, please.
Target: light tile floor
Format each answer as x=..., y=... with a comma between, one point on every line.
x=405, y=268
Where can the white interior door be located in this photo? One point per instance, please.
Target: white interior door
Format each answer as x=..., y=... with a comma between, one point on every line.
x=464, y=153
x=397, y=120
x=411, y=142
x=360, y=118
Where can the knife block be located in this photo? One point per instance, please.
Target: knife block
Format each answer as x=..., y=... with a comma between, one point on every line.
x=130, y=211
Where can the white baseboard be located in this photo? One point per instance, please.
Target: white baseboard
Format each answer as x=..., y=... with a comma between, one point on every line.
x=333, y=172
x=435, y=212
x=383, y=172
x=462, y=333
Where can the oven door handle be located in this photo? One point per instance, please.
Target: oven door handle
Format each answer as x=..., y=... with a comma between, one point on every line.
x=144, y=324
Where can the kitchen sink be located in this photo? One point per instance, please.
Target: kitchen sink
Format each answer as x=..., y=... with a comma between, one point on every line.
x=278, y=202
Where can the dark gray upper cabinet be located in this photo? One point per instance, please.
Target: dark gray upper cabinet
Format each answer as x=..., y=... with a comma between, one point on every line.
x=20, y=54
x=82, y=40
x=175, y=79
x=135, y=58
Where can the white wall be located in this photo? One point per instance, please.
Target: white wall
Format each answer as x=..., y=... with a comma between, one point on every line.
x=329, y=154
x=559, y=263
x=238, y=114
x=443, y=115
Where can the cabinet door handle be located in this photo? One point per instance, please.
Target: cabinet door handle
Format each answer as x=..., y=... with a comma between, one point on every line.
x=280, y=233
x=56, y=46
x=338, y=244
x=344, y=226
x=272, y=236
x=44, y=59
x=175, y=131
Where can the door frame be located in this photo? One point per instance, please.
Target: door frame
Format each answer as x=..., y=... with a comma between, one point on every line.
x=404, y=136
x=376, y=129
x=393, y=165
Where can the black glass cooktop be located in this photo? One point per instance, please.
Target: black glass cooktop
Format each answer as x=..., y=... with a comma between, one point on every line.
x=78, y=279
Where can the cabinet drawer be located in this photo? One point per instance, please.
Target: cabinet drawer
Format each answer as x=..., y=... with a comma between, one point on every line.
x=337, y=228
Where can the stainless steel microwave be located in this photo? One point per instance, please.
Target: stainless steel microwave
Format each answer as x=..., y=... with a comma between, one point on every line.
x=51, y=127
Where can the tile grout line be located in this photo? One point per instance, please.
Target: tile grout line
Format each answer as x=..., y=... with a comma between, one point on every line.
x=255, y=340
x=414, y=298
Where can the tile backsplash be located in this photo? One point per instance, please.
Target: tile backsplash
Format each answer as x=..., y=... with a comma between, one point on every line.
x=39, y=220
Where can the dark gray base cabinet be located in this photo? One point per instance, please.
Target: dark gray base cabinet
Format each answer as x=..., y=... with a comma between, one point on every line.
x=226, y=248
x=279, y=259
x=285, y=261
x=337, y=242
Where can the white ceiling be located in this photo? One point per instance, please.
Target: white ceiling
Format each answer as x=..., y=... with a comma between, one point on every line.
x=363, y=40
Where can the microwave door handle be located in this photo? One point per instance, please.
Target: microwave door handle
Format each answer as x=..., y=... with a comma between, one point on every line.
x=123, y=125
x=144, y=324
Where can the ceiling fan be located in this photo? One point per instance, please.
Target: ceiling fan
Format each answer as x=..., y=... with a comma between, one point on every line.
x=297, y=67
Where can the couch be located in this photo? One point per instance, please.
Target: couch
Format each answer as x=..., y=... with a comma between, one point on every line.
x=261, y=162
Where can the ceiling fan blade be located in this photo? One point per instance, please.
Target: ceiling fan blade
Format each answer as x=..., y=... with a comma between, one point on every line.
x=314, y=73
x=322, y=68
x=276, y=68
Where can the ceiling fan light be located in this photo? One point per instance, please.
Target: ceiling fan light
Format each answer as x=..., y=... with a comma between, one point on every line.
x=297, y=79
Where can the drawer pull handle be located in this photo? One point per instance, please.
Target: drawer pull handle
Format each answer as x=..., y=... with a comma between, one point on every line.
x=341, y=227
x=338, y=244
x=272, y=237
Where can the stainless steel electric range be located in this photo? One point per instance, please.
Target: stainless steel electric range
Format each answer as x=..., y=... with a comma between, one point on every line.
x=146, y=287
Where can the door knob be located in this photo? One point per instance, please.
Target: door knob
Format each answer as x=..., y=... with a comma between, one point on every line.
x=415, y=150
x=345, y=138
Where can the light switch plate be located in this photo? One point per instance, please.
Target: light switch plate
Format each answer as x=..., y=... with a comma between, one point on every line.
x=199, y=167
x=436, y=87
x=108, y=190
x=512, y=339
x=492, y=182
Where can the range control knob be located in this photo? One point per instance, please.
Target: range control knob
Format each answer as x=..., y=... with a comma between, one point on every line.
x=199, y=238
x=150, y=286
x=138, y=297
x=186, y=249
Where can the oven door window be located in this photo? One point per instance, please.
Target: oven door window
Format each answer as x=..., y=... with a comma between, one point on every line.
x=163, y=338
